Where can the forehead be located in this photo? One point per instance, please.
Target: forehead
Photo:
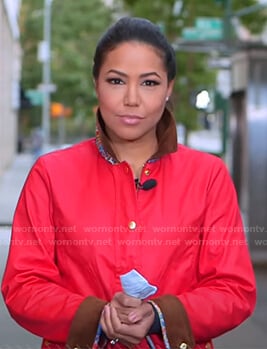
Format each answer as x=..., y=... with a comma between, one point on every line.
x=134, y=54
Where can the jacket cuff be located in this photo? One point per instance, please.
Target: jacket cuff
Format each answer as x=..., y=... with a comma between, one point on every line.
x=178, y=329
x=84, y=325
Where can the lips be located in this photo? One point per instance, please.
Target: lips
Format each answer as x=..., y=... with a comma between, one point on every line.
x=129, y=119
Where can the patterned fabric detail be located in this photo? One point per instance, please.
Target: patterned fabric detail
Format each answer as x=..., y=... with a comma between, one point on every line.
x=106, y=155
x=152, y=160
x=150, y=342
x=97, y=337
x=103, y=151
x=162, y=324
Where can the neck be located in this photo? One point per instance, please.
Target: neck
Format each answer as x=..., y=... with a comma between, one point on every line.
x=135, y=153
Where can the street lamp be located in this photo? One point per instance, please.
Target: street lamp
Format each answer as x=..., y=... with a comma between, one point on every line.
x=46, y=86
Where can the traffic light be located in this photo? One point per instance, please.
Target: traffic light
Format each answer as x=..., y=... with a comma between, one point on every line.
x=25, y=101
x=58, y=110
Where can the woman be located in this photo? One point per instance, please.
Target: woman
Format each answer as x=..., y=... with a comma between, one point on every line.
x=129, y=200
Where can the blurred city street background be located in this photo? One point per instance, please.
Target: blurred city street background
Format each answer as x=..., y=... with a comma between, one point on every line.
x=47, y=101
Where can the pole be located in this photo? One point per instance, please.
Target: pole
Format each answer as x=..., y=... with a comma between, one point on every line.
x=46, y=73
x=225, y=100
x=228, y=23
x=248, y=10
x=61, y=130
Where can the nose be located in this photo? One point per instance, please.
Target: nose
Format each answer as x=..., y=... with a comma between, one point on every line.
x=131, y=97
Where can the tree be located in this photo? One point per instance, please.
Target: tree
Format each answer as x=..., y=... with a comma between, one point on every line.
x=76, y=27
x=193, y=73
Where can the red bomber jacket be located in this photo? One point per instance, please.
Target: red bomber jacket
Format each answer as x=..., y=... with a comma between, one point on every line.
x=80, y=223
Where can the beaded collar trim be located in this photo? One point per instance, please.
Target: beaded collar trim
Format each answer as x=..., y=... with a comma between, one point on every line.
x=105, y=154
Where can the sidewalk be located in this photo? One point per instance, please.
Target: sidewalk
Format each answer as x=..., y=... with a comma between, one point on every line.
x=249, y=335
x=11, y=183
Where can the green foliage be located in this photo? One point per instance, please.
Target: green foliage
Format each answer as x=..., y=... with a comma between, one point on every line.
x=254, y=21
x=193, y=72
x=75, y=29
x=31, y=34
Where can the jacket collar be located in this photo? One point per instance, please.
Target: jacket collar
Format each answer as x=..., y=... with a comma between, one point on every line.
x=166, y=134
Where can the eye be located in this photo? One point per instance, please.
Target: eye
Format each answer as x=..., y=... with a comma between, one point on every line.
x=150, y=83
x=115, y=81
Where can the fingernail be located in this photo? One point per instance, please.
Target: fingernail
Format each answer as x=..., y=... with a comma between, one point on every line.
x=132, y=317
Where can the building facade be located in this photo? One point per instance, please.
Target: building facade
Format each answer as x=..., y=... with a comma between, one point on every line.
x=249, y=135
x=10, y=58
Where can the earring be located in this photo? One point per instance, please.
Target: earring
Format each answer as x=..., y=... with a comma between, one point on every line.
x=167, y=98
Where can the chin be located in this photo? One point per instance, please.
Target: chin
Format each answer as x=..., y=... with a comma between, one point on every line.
x=128, y=136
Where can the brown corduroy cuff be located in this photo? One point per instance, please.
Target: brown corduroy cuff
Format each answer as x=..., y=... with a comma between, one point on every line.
x=84, y=325
x=178, y=327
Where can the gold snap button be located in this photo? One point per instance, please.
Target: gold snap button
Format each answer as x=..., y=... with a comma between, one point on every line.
x=147, y=172
x=183, y=346
x=132, y=225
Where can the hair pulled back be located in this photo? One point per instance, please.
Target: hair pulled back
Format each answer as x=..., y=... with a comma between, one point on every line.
x=142, y=30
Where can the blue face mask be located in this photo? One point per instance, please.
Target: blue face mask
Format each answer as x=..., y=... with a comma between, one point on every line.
x=135, y=285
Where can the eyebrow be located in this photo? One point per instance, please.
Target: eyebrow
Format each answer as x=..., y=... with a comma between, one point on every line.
x=125, y=75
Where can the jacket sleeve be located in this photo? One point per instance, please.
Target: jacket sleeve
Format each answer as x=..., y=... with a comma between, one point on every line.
x=32, y=287
x=225, y=294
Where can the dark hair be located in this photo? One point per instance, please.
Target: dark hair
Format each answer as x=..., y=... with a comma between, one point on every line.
x=135, y=29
